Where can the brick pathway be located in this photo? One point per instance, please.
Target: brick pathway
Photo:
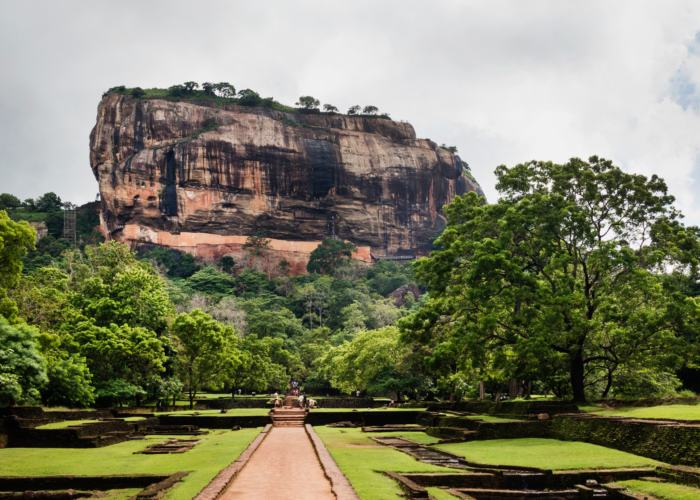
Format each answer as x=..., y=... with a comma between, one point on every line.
x=284, y=466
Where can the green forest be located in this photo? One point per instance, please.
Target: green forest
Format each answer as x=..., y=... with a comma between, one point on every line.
x=580, y=282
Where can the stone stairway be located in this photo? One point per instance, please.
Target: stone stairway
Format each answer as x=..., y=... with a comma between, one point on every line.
x=288, y=417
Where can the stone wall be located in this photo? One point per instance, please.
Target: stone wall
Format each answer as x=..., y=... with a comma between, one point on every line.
x=671, y=442
x=216, y=422
x=520, y=407
x=367, y=418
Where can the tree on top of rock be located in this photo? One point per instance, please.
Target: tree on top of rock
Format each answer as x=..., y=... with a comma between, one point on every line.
x=354, y=110
x=329, y=108
x=370, y=110
x=329, y=255
x=308, y=102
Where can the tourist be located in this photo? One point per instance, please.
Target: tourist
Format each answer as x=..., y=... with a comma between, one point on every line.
x=301, y=401
x=391, y=403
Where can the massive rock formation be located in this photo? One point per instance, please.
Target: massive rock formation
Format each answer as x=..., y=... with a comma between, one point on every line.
x=187, y=174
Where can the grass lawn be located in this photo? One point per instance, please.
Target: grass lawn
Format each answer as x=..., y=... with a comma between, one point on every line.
x=234, y=412
x=68, y=423
x=417, y=436
x=676, y=412
x=361, y=459
x=662, y=491
x=439, y=494
x=489, y=418
x=545, y=453
x=218, y=450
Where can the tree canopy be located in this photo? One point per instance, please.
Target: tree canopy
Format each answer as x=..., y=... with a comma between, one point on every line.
x=562, y=275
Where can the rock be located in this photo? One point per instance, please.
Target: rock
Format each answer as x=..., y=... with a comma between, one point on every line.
x=543, y=416
x=368, y=180
x=236, y=428
x=401, y=292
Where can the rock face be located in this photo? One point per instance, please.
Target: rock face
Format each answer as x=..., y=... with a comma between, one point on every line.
x=399, y=294
x=301, y=177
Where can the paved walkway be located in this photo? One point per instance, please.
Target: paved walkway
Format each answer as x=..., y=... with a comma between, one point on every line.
x=284, y=466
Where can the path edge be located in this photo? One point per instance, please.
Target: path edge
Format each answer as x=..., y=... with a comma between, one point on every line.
x=340, y=485
x=223, y=479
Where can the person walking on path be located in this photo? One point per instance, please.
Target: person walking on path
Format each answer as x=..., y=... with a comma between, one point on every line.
x=277, y=400
x=301, y=401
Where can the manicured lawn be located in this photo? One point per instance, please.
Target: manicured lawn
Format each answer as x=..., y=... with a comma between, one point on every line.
x=218, y=450
x=417, y=436
x=234, y=412
x=68, y=423
x=439, y=494
x=545, y=453
x=489, y=418
x=676, y=412
x=361, y=459
x=65, y=423
x=662, y=491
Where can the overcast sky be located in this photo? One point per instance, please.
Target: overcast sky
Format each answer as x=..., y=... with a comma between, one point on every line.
x=505, y=82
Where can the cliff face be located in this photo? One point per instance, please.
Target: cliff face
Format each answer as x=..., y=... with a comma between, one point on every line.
x=298, y=176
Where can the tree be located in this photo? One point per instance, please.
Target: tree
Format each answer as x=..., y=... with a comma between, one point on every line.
x=21, y=360
x=69, y=382
x=247, y=97
x=307, y=102
x=138, y=92
x=227, y=264
x=451, y=149
x=354, y=110
x=329, y=255
x=190, y=87
x=257, y=244
x=15, y=239
x=49, y=202
x=565, y=267
x=205, y=350
x=375, y=360
x=213, y=282
x=370, y=110
x=225, y=90
x=9, y=201
x=120, y=352
x=329, y=108
x=209, y=88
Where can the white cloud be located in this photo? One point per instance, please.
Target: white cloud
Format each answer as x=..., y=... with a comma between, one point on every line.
x=506, y=82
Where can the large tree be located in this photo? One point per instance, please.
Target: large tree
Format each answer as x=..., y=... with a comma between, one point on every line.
x=329, y=255
x=206, y=351
x=15, y=239
x=565, y=268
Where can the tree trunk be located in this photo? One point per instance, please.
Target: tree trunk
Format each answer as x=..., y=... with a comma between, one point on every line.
x=498, y=396
x=529, y=389
x=452, y=395
x=512, y=389
x=609, y=384
x=577, y=371
x=482, y=391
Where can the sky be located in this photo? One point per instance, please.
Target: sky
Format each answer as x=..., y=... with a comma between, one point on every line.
x=504, y=81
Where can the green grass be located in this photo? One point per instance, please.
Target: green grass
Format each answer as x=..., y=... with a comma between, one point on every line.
x=26, y=215
x=418, y=436
x=234, y=412
x=676, y=412
x=218, y=450
x=489, y=418
x=123, y=494
x=662, y=491
x=440, y=494
x=546, y=453
x=64, y=424
x=362, y=461
x=591, y=409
